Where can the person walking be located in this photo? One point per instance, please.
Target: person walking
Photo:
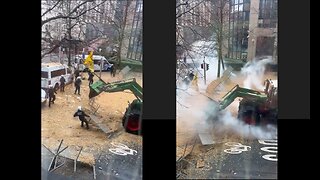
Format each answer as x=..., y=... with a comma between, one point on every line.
x=82, y=116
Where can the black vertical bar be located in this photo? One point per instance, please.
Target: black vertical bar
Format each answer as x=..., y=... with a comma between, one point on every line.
x=159, y=89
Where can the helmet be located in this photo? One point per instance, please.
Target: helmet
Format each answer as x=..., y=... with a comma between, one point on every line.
x=79, y=107
x=78, y=77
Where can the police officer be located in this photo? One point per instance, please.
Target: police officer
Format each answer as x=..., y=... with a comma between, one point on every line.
x=90, y=78
x=77, y=84
x=76, y=73
x=81, y=114
x=62, y=83
x=51, y=93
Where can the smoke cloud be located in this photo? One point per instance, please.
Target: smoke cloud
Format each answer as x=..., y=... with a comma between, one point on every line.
x=245, y=130
x=196, y=112
x=253, y=72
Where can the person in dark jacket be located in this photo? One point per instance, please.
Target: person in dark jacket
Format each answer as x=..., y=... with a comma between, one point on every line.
x=52, y=96
x=62, y=83
x=82, y=117
x=111, y=70
x=90, y=78
x=77, y=84
x=76, y=74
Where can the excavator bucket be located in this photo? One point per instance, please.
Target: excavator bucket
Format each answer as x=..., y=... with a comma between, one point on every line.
x=96, y=88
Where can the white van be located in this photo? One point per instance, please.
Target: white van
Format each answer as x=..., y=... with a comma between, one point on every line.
x=51, y=72
x=97, y=59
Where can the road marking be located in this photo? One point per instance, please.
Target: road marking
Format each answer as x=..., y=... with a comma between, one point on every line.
x=270, y=157
x=272, y=142
x=122, y=149
x=236, y=148
x=267, y=149
x=272, y=148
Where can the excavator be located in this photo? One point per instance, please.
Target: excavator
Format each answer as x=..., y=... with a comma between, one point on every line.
x=257, y=108
x=131, y=120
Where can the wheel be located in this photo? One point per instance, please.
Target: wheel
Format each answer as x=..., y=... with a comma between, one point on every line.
x=131, y=123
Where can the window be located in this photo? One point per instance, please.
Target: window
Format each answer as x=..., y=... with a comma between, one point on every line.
x=268, y=12
x=238, y=28
x=57, y=73
x=44, y=74
x=135, y=38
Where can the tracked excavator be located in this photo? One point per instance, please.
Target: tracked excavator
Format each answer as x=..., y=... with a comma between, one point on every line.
x=131, y=120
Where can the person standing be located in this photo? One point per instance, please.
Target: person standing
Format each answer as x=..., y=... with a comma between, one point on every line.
x=76, y=73
x=52, y=96
x=111, y=70
x=77, y=84
x=90, y=78
x=62, y=83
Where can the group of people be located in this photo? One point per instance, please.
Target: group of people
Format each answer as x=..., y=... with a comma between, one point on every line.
x=77, y=83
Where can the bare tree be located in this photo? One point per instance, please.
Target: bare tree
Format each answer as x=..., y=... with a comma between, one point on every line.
x=187, y=10
x=219, y=13
x=70, y=11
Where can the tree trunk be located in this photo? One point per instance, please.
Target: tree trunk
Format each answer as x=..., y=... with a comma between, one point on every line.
x=69, y=34
x=121, y=37
x=221, y=33
x=70, y=44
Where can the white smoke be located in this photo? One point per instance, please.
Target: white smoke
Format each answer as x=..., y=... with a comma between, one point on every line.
x=253, y=72
x=194, y=109
x=246, y=130
x=204, y=51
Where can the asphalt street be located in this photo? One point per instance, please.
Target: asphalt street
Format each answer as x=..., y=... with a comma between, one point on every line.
x=254, y=159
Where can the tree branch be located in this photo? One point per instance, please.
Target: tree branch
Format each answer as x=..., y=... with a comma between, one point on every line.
x=51, y=8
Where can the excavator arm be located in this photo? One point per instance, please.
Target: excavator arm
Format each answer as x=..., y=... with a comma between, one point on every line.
x=237, y=91
x=117, y=86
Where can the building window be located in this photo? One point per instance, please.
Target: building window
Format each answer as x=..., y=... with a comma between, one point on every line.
x=238, y=29
x=268, y=13
x=135, y=40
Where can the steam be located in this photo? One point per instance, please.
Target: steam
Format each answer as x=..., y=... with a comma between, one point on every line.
x=253, y=72
x=196, y=112
x=194, y=109
x=204, y=51
x=246, y=130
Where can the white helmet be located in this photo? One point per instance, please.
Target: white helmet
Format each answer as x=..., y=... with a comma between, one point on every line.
x=78, y=77
x=79, y=107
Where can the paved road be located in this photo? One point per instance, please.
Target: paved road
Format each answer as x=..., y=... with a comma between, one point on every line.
x=251, y=160
x=120, y=162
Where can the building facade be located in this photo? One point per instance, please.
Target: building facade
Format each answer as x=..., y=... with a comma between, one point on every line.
x=102, y=19
x=252, y=29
